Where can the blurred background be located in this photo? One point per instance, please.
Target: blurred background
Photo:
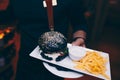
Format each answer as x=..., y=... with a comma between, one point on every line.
x=103, y=17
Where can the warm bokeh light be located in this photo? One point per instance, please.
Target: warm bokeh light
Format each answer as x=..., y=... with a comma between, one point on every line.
x=4, y=31
x=2, y=35
x=7, y=31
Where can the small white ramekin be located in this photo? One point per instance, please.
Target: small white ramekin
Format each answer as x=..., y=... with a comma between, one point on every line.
x=76, y=52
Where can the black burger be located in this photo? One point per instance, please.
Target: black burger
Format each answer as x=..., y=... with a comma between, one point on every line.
x=53, y=42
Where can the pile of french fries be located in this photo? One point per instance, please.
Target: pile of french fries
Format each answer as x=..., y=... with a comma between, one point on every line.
x=94, y=63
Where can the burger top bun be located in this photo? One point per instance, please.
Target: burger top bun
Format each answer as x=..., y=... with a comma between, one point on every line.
x=52, y=41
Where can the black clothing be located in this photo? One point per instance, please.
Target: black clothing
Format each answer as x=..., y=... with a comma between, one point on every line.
x=32, y=22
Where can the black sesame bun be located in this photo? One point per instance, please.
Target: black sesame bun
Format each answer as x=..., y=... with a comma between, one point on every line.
x=53, y=42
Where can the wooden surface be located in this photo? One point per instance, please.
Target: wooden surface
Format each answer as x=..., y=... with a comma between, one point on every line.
x=15, y=59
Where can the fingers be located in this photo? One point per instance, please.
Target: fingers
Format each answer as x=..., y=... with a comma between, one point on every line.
x=79, y=42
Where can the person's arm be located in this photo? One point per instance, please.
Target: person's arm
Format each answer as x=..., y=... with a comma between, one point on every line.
x=78, y=22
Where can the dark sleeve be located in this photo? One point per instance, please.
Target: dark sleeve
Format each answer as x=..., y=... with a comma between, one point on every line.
x=76, y=11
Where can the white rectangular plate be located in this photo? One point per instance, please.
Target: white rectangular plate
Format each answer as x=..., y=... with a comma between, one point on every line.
x=68, y=63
